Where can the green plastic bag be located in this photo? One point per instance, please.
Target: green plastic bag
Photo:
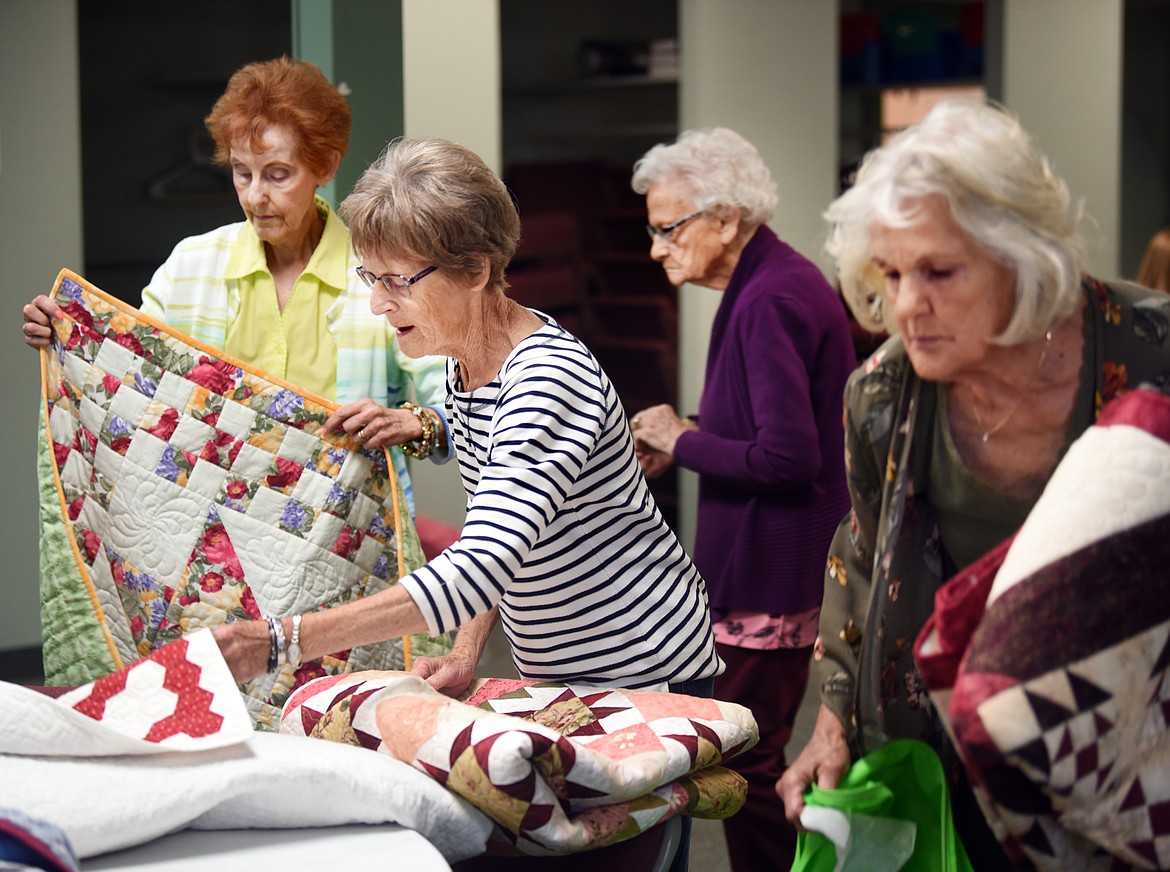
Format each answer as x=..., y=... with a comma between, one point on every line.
x=903, y=781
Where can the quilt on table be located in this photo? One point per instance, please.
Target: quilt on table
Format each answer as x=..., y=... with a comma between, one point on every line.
x=558, y=768
x=166, y=743
x=1049, y=660
x=196, y=490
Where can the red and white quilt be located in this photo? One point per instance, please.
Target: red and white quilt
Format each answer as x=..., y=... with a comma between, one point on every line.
x=558, y=768
x=166, y=743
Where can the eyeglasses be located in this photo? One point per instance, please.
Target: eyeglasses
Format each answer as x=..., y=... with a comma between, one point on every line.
x=399, y=286
x=667, y=232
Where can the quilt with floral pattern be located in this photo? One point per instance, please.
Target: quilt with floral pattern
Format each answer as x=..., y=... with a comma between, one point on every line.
x=196, y=490
x=558, y=768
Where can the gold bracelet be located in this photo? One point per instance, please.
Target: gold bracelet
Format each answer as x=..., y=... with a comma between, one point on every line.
x=425, y=445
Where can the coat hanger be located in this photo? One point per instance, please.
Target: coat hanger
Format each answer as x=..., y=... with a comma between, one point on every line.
x=195, y=179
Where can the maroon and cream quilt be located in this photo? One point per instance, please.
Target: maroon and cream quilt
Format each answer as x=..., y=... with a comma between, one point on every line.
x=196, y=490
x=1049, y=660
x=558, y=768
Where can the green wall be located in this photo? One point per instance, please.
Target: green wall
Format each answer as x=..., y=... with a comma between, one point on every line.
x=358, y=45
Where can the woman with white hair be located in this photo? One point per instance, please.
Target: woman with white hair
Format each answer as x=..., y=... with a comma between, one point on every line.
x=959, y=239
x=766, y=444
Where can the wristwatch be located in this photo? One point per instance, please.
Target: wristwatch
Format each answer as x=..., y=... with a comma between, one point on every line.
x=294, y=645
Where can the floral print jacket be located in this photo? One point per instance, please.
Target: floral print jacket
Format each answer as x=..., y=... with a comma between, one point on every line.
x=885, y=561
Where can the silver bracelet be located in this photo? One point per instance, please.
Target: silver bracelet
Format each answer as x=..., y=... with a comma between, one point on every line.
x=275, y=643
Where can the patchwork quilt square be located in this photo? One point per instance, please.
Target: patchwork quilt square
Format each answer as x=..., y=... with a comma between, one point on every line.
x=179, y=697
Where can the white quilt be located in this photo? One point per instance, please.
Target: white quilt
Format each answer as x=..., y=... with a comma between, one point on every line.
x=108, y=788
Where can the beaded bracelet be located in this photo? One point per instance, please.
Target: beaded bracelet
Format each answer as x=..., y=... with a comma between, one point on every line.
x=425, y=445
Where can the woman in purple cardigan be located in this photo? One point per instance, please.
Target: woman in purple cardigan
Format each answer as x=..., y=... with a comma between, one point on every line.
x=767, y=444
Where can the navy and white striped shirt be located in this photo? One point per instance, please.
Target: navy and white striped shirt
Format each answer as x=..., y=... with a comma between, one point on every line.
x=562, y=532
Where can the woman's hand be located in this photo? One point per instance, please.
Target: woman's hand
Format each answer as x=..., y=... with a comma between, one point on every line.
x=654, y=463
x=373, y=425
x=244, y=645
x=656, y=430
x=38, y=321
x=450, y=674
x=822, y=762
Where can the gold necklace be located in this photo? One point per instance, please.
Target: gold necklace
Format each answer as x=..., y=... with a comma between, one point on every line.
x=988, y=433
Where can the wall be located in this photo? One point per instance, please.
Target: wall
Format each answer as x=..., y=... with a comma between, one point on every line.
x=787, y=107
x=451, y=89
x=451, y=73
x=40, y=213
x=358, y=46
x=1062, y=76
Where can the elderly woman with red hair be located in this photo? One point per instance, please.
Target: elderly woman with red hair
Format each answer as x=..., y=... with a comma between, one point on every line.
x=280, y=289
x=285, y=278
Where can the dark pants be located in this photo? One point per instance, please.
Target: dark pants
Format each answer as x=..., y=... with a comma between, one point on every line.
x=701, y=687
x=772, y=685
x=983, y=849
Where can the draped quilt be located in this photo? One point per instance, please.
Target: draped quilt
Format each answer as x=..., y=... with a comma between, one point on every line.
x=1049, y=659
x=196, y=490
x=167, y=744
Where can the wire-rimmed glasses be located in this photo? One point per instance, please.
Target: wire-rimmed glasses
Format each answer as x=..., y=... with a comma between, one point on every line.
x=666, y=232
x=398, y=286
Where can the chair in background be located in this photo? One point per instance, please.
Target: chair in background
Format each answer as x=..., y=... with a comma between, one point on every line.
x=644, y=372
x=549, y=271
x=563, y=186
x=434, y=536
x=637, y=317
x=631, y=273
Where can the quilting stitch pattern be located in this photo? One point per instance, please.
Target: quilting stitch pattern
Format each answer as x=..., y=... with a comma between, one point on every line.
x=199, y=490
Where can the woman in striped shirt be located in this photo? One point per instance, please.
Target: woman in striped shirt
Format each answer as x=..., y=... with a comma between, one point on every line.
x=562, y=540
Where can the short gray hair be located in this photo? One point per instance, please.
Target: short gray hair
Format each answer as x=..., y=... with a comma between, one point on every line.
x=723, y=172
x=436, y=202
x=1000, y=190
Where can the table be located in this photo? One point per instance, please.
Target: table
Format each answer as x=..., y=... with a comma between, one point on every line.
x=305, y=848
